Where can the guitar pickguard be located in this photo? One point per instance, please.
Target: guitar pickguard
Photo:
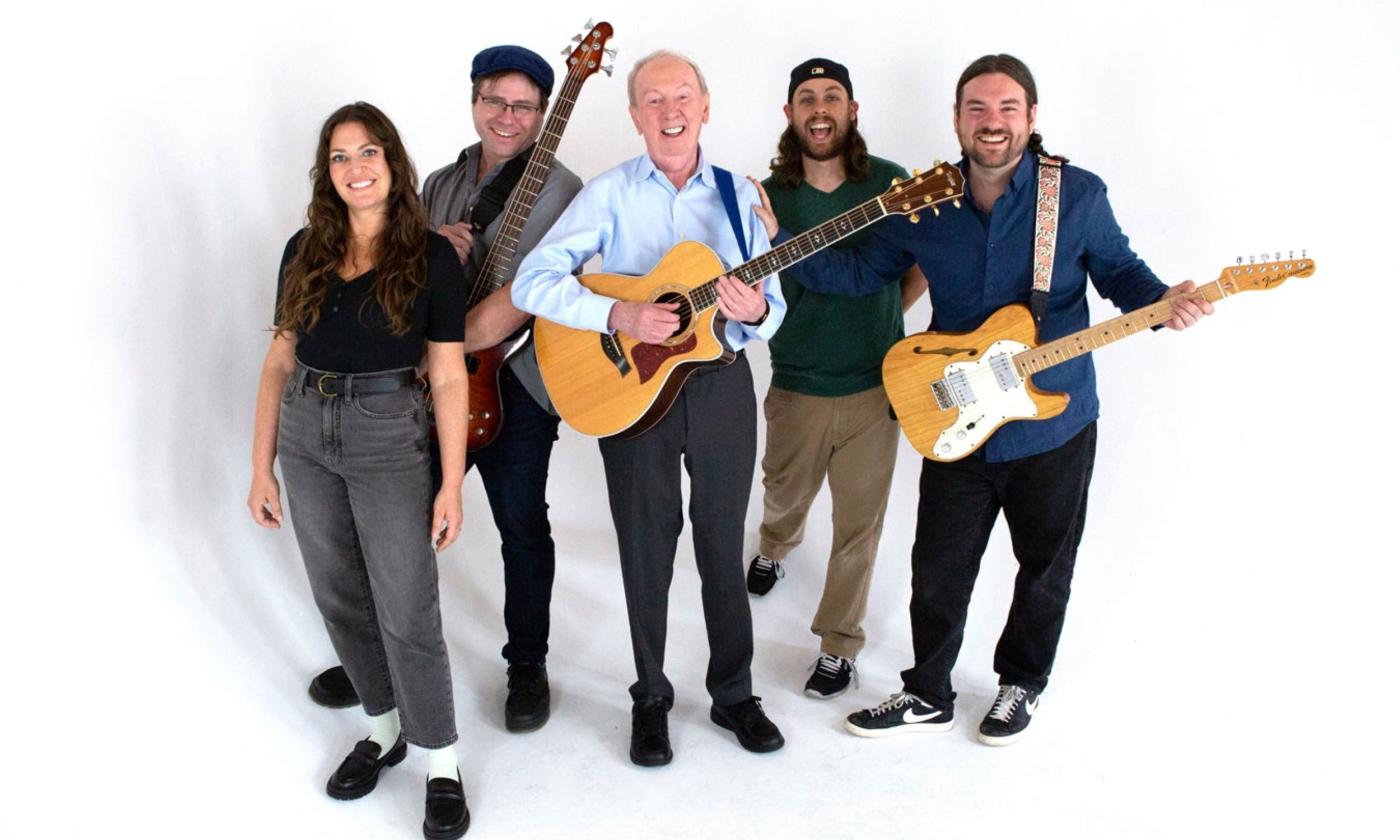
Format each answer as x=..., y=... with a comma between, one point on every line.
x=650, y=357
x=988, y=392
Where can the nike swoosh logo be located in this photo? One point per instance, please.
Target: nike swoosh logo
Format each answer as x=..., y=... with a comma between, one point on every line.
x=1031, y=706
x=911, y=717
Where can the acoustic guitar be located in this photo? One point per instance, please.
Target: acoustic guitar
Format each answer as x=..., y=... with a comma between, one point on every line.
x=950, y=391
x=605, y=385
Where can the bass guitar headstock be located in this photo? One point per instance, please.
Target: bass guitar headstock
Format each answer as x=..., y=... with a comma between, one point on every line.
x=926, y=190
x=587, y=58
x=1264, y=275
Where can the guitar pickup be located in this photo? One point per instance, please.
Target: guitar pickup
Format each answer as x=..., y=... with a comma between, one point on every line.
x=1007, y=378
x=960, y=387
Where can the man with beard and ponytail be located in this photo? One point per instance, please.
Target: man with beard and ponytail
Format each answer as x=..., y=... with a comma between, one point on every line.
x=828, y=418
x=978, y=260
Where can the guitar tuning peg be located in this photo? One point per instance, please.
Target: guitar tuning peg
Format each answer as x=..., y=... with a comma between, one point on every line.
x=917, y=173
x=1276, y=256
x=914, y=218
x=894, y=182
x=608, y=68
x=588, y=25
x=957, y=204
x=1290, y=255
x=578, y=39
x=610, y=53
x=1251, y=259
x=1239, y=260
x=565, y=51
x=1305, y=253
x=935, y=209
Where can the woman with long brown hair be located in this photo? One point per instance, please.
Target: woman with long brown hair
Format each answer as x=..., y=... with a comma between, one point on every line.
x=362, y=287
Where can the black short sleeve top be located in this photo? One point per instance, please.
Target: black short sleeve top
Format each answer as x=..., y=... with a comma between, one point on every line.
x=353, y=335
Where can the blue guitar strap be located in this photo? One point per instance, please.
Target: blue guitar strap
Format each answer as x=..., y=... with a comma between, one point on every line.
x=725, y=182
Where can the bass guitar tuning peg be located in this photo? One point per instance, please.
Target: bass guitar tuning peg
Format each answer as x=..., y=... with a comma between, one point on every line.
x=588, y=25
x=608, y=68
x=610, y=53
x=578, y=39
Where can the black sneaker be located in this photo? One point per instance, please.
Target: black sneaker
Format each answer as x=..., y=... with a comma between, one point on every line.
x=756, y=733
x=331, y=688
x=1009, y=716
x=527, y=696
x=651, y=739
x=903, y=712
x=763, y=573
x=831, y=676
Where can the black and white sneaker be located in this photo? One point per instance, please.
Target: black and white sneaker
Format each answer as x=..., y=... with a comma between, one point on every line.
x=1009, y=716
x=763, y=573
x=903, y=712
x=831, y=676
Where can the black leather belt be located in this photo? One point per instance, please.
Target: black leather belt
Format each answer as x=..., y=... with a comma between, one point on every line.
x=349, y=384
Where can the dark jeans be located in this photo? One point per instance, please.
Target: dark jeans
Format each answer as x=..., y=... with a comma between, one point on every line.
x=360, y=498
x=712, y=430
x=514, y=470
x=1044, y=498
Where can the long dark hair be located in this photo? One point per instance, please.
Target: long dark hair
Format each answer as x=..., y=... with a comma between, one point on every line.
x=1021, y=75
x=400, y=251
x=787, y=166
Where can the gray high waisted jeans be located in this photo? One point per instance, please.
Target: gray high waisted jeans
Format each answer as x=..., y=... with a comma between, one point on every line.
x=360, y=496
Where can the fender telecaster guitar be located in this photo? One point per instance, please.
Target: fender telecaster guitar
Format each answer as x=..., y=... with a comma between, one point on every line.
x=605, y=385
x=484, y=366
x=952, y=390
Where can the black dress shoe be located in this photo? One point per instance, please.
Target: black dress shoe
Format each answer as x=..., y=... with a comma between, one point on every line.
x=527, y=696
x=651, y=741
x=359, y=772
x=746, y=720
x=445, y=814
x=331, y=688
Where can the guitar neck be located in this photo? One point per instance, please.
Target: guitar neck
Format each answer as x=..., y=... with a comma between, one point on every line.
x=1052, y=353
x=527, y=191
x=793, y=251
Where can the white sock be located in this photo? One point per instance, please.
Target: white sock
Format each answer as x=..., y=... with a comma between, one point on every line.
x=442, y=763
x=384, y=730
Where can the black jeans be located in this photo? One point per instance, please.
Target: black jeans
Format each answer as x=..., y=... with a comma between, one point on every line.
x=514, y=471
x=712, y=431
x=1044, y=498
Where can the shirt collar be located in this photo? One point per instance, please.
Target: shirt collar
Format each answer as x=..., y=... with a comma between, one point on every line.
x=643, y=167
x=1025, y=170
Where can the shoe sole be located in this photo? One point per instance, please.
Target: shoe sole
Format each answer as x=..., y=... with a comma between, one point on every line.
x=756, y=748
x=811, y=692
x=650, y=762
x=395, y=755
x=447, y=834
x=901, y=729
x=1000, y=740
x=329, y=702
x=520, y=726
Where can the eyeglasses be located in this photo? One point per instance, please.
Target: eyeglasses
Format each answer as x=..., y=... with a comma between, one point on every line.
x=496, y=106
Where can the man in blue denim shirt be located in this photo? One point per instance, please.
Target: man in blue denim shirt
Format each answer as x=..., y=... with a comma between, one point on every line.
x=978, y=260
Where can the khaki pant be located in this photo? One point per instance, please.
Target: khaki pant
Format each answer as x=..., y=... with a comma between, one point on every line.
x=851, y=442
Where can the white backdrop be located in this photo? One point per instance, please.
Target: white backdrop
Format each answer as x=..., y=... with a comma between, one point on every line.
x=1226, y=663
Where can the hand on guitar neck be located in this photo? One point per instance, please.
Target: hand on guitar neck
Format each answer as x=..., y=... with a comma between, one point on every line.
x=1188, y=307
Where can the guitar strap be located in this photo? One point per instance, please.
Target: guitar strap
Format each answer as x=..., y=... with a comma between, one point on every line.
x=494, y=196
x=1047, y=224
x=725, y=182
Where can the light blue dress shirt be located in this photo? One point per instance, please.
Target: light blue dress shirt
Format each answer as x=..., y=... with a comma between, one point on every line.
x=632, y=215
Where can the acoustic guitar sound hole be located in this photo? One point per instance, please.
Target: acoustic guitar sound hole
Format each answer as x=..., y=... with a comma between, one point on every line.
x=683, y=310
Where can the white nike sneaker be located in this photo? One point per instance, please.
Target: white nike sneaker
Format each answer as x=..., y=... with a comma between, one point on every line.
x=903, y=712
x=1009, y=716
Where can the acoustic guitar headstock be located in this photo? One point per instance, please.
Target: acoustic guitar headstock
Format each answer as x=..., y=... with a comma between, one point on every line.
x=926, y=190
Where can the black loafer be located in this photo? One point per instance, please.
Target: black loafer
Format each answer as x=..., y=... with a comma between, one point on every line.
x=527, y=696
x=359, y=772
x=445, y=814
x=651, y=740
x=331, y=688
x=756, y=733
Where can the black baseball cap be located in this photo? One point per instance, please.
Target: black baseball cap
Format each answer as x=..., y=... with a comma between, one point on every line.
x=820, y=68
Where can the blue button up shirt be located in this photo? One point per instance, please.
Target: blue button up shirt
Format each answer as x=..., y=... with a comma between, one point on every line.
x=632, y=215
x=977, y=263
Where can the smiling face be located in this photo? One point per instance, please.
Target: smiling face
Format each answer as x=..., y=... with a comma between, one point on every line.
x=668, y=110
x=993, y=122
x=358, y=168
x=821, y=114
x=505, y=132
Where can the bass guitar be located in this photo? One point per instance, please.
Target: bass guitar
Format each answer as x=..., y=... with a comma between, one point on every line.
x=484, y=413
x=605, y=385
x=950, y=391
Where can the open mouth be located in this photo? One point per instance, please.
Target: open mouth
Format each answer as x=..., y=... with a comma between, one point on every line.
x=508, y=135
x=995, y=139
x=819, y=131
x=673, y=131
x=360, y=185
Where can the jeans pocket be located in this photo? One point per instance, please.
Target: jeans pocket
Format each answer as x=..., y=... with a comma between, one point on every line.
x=400, y=403
x=289, y=389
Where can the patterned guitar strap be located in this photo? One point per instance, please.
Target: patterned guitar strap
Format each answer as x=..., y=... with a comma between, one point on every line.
x=1047, y=224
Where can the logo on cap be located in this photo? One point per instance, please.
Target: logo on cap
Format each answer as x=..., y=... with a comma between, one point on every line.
x=817, y=71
